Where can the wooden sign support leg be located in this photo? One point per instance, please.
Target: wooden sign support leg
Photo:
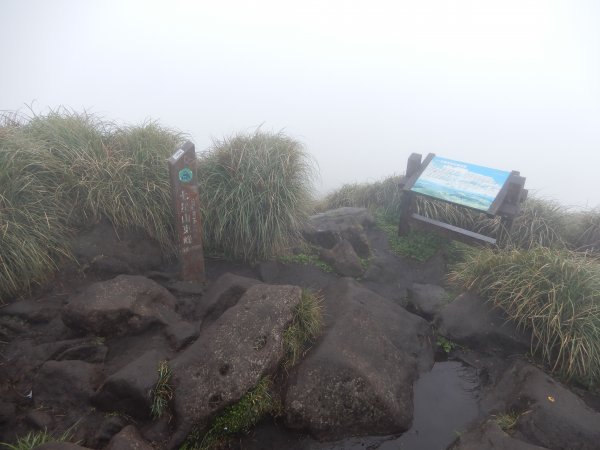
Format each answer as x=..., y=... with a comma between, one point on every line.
x=408, y=197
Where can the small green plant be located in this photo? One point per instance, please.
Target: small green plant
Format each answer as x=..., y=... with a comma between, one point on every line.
x=446, y=345
x=237, y=418
x=418, y=245
x=365, y=262
x=34, y=439
x=308, y=257
x=507, y=421
x=304, y=329
x=162, y=392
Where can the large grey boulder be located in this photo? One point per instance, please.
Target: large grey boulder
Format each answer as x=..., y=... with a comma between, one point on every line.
x=121, y=306
x=331, y=227
x=221, y=295
x=471, y=321
x=129, y=389
x=358, y=380
x=61, y=446
x=551, y=415
x=343, y=259
x=489, y=436
x=427, y=299
x=230, y=356
x=102, y=249
x=128, y=438
x=65, y=385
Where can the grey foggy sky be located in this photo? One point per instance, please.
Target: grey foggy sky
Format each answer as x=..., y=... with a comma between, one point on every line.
x=507, y=84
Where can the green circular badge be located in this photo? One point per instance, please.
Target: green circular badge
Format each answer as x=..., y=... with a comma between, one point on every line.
x=185, y=175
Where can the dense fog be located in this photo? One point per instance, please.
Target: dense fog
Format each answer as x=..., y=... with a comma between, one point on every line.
x=513, y=85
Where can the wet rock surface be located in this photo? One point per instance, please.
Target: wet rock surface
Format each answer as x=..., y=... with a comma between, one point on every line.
x=358, y=379
x=486, y=328
x=328, y=229
x=549, y=414
x=427, y=300
x=129, y=390
x=123, y=305
x=83, y=353
x=244, y=344
x=489, y=436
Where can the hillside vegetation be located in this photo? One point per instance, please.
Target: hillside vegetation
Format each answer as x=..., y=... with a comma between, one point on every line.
x=65, y=170
x=546, y=276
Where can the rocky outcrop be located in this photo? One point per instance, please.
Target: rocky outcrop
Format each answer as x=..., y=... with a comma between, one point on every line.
x=61, y=446
x=330, y=228
x=224, y=293
x=120, y=306
x=550, y=415
x=471, y=321
x=358, y=379
x=103, y=250
x=230, y=356
x=489, y=436
x=343, y=259
x=426, y=300
x=128, y=439
x=129, y=389
x=64, y=385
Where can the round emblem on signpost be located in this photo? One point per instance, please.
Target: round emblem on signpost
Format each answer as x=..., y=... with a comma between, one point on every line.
x=185, y=175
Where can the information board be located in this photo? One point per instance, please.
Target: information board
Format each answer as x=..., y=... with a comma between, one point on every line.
x=462, y=183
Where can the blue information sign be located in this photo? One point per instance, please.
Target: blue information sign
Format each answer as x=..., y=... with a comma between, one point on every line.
x=462, y=183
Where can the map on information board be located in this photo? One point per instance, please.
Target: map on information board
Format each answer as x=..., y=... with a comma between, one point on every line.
x=462, y=183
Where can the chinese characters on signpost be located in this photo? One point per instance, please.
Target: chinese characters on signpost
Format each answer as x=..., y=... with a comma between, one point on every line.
x=186, y=206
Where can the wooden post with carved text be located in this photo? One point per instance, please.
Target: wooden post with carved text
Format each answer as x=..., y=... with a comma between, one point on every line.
x=186, y=207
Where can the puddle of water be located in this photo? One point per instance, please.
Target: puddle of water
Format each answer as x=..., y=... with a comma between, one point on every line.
x=445, y=403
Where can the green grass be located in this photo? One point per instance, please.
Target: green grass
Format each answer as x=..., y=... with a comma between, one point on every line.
x=304, y=329
x=260, y=401
x=383, y=196
x=34, y=439
x=446, y=345
x=541, y=222
x=553, y=293
x=162, y=392
x=64, y=170
x=418, y=245
x=237, y=418
x=308, y=257
x=256, y=192
x=507, y=421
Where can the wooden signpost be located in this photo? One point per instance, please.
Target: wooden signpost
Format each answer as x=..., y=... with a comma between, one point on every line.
x=490, y=191
x=186, y=207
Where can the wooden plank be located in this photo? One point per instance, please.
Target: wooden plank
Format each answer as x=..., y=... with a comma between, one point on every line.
x=186, y=207
x=415, y=176
x=499, y=200
x=457, y=233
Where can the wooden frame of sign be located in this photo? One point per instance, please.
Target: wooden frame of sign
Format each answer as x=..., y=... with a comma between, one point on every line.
x=186, y=208
x=498, y=194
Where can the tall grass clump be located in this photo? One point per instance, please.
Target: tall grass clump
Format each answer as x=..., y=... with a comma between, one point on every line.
x=256, y=192
x=384, y=197
x=33, y=225
x=100, y=169
x=65, y=170
x=583, y=231
x=304, y=329
x=541, y=223
x=553, y=293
